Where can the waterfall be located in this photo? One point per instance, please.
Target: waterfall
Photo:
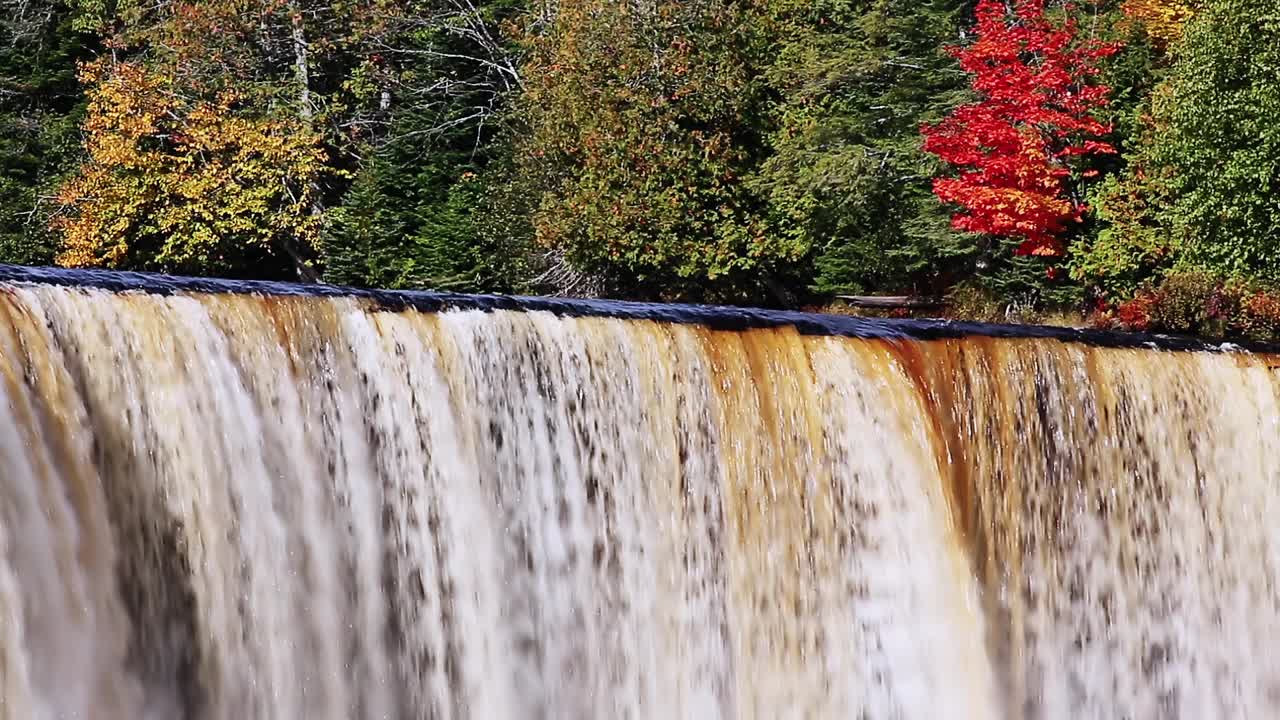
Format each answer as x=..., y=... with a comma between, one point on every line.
x=242, y=505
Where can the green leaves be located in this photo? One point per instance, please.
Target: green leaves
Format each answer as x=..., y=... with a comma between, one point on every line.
x=40, y=109
x=642, y=123
x=765, y=151
x=1201, y=189
x=845, y=175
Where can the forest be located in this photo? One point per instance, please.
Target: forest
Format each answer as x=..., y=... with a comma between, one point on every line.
x=1117, y=161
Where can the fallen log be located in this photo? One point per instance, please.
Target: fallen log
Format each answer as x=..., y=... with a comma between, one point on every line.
x=892, y=301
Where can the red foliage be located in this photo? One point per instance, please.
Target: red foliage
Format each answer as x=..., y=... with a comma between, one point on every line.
x=1261, y=316
x=1135, y=314
x=1013, y=145
x=1192, y=302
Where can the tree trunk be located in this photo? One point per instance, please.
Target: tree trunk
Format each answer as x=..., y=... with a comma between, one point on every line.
x=302, y=73
x=306, y=273
x=302, y=77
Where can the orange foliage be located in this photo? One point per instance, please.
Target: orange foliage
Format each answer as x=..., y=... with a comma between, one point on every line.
x=1135, y=314
x=183, y=182
x=1162, y=19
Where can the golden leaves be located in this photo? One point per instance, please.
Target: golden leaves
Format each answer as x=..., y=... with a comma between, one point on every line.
x=182, y=182
x=1162, y=19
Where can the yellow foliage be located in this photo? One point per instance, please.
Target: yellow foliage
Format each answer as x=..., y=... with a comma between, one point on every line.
x=173, y=182
x=1162, y=19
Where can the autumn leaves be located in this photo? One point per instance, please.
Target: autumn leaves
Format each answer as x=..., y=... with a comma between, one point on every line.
x=1017, y=145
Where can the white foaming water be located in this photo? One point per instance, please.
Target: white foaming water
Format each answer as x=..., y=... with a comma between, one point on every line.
x=227, y=507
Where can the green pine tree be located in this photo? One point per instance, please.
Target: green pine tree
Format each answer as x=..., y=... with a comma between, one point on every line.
x=421, y=210
x=40, y=110
x=846, y=177
x=363, y=244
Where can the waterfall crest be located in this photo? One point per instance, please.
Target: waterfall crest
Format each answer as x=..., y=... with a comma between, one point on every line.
x=229, y=506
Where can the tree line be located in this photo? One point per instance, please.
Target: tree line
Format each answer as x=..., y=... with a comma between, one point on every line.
x=1114, y=156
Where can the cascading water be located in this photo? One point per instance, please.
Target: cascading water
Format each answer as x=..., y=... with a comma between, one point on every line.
x=232, y=506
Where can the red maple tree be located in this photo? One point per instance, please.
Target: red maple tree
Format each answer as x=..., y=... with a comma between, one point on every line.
x=1013, y=146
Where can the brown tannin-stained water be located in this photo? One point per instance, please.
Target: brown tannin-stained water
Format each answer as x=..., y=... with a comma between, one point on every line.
x=232, y=506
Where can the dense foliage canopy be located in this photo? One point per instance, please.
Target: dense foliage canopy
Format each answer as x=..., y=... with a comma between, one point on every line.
x=1113, y=155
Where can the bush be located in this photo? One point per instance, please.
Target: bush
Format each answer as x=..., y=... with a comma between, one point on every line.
x=1182, y=302
x=969, y=301
x=1195, y=302
x=1260, y=316
x=1137, y=313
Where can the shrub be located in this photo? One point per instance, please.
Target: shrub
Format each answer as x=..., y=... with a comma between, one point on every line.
x=1136, y=313
x=1196, y=302
x=969, y=301
x=1260, y=316
x=1182, y=302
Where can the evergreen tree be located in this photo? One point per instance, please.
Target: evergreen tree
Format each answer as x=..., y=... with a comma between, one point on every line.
x=420, y=217
x=366, y=234
x=846, y=176
x=417, y=215
x=40, y=109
